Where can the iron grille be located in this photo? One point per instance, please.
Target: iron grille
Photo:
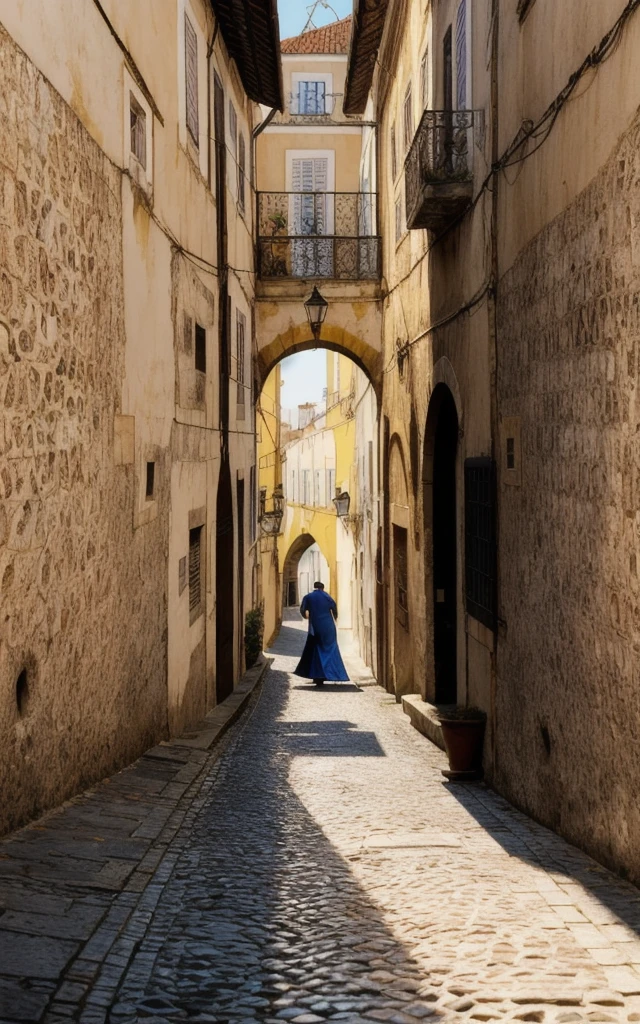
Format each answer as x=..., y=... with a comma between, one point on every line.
x=440, y=154
x=480, y=540
x=195, y=590
x=318, y=234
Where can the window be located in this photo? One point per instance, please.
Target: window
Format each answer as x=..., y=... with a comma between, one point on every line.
x=241, y=170
x=293, y=485
x=480, y=539
x=233, y=130
x=306, y=486
x=241, y=325
x=195, y=583
x=151, y=472
x=424, y=79
x=398, y=219
x=316, y=487
x=331, y=486
x=191, y=75
x=311, y=97
x=394, y=153
x=461, y=56
x=408, y=118
x=201, y=349
x=138, y=120
x=511, y=453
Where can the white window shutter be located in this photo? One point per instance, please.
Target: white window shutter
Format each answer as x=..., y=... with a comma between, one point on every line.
x=191, y=79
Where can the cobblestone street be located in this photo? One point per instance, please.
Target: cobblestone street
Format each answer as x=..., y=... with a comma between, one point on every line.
x=315, y=866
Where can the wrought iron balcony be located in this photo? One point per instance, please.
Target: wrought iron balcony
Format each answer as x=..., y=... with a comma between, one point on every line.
x=438, y=169
x=318, y=235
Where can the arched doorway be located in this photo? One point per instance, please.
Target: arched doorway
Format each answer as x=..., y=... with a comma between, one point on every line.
x=303, y=564
x=225, y=603
x=440, y=508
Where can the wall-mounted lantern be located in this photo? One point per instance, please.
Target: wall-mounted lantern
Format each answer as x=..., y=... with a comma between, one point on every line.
x=342, y=502
x=316, y=307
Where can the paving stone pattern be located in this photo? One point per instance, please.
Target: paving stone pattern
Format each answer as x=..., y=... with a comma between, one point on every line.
x=315, y=867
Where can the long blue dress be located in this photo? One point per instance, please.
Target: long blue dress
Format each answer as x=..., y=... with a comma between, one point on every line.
x=321, y=656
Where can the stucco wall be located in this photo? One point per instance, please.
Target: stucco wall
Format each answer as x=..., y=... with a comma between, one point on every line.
x=83, y=593
x=568, y=705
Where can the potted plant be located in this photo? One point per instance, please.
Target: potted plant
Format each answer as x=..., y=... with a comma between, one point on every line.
x=463, y=734
x=253, y=631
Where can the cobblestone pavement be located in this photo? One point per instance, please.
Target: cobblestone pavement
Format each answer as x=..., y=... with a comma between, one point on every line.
x=317, y=867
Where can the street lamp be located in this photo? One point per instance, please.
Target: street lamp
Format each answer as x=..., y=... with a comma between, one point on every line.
x=316, y=307
x=342, y=502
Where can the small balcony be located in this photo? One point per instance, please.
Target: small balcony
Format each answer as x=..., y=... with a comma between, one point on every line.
x=439, y=168
x=318, y=235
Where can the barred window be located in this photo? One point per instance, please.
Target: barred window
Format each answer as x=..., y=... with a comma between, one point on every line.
x=480, y=540
x=195, y=583
x=138, y=120
x=191, y=75
x=311, y=97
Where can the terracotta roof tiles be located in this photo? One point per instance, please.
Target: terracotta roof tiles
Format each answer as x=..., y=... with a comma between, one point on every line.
x=333, y=38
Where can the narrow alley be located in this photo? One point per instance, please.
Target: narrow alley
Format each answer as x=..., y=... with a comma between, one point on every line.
x=314, y=866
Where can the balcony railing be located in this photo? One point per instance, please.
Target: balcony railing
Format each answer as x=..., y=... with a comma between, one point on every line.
x=439, y=168
x=318, y=235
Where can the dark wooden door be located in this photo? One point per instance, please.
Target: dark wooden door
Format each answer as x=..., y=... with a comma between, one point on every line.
x=445, y=553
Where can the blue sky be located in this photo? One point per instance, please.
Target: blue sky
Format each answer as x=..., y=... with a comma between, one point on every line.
x=304, y=376
x=293, y=15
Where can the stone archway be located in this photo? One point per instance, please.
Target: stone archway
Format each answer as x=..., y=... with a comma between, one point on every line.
x=296, y=338
x=290, y=595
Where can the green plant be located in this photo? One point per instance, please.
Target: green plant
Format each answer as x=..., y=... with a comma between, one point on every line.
x=461, y=713
x=253, y=634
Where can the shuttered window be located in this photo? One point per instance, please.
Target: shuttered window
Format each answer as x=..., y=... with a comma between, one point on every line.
x=191, y=76
x=408, y=118
x=394, y=154
x=424, y=79
x=461, y=56
x=480, y=539
x=241, y=170
x=311, y=97
x=241, y=329
x=195, y=559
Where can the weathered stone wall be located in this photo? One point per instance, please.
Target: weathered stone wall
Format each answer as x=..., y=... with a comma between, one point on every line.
x=568, y=704
x=83, y=594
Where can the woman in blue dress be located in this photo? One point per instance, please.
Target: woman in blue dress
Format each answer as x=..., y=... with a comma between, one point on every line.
x=321, y=659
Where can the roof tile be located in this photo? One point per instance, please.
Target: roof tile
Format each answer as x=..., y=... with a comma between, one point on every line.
x=333, y=38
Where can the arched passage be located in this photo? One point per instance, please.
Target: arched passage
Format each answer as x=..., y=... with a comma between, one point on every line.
x=291, y=595
x=441, y=548
x=298, y=339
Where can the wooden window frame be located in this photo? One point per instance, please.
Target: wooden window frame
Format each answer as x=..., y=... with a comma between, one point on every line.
x=138, y=130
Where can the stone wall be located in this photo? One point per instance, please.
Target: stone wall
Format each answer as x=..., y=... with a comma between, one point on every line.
x=82, y=631
x=568, y=704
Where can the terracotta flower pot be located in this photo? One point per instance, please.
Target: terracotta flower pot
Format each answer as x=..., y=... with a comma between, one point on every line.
x=463, y=739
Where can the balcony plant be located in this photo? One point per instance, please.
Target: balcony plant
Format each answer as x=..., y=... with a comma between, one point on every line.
x=463, y=731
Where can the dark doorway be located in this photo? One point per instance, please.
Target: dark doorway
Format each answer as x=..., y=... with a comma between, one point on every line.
x=224, y=585
x=445, y=550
